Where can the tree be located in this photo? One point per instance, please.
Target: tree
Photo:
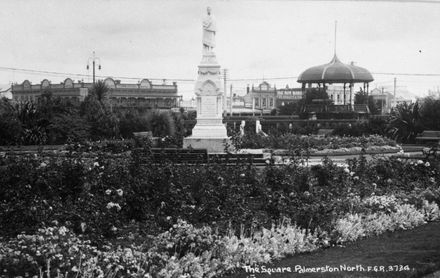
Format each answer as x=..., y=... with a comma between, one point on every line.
x=315, y=93
x=95, y=110
x=100, y=91
x=430, y=113
x=292, y=108
x=131, y=121
x=361, y=97
x=374, y=106
x=405, y=124
x=10, y=126
x=161, y=123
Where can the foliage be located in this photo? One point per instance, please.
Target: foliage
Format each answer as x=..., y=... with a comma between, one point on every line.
x=404, y=216
x=361, y=97
x=100, y=91
x=315, y=93
x=430, y=113
x=10, y=127
x=374, y=126
x=293, y=141
x=103, y=123
x=375, y=106
x=292, y=108
x=161, y=123
x=404, y=124
x=131, y=121
x=187, y=251
x=206, y=219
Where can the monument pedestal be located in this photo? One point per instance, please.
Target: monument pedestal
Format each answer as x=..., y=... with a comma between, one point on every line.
x=209, y=132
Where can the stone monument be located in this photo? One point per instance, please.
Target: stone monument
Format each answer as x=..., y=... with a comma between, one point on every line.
x=209, y=132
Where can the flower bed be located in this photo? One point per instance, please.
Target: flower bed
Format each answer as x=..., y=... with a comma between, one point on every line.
x=202, y=220
x=312, y=142
x=186, y=251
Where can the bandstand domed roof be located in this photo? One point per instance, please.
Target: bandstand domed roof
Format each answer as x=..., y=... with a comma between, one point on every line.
x=335, y=72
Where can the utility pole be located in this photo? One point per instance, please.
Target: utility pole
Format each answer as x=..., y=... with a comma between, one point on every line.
x=232, y=100
x=225, y=77
x=93, y=59
x=395, y=100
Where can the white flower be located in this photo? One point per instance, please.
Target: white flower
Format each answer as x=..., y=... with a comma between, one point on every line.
x=95, y=164
x=42, y=165
x=62, y=230
x=432, y=179
x=351, y=174
x=242, y=175
x=419, y=162
x=267, y=161
x=108, y=192
x=355, y=178
x=346, y=170
x=427, y=164
x=120, y=192
x=75, y=269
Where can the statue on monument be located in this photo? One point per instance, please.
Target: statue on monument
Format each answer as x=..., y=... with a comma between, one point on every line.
x=209, y=30
x=242, y=125
x=209, y=132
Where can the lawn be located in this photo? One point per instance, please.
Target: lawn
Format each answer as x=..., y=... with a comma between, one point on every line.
x=418, y=248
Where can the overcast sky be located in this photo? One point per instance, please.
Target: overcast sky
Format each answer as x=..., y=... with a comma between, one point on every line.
x=255, y=39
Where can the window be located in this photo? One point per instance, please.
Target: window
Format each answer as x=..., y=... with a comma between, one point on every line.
x=264, y=102
x=271, y=102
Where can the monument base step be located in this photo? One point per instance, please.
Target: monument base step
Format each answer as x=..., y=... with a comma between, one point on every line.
x=211, y=144
x=209, y=131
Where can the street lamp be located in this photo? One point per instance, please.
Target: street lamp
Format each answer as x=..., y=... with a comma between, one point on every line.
x=93, y=59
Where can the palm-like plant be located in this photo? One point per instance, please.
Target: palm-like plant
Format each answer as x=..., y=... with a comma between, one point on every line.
x=404, y=123
x=100, y=90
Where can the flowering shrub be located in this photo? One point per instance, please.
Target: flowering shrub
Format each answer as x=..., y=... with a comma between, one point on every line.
x=404, y=216
x=52, y=251
x=186, y=251
x=303, y=142
x=99, y=196
x=112, y=146
x=382, y=203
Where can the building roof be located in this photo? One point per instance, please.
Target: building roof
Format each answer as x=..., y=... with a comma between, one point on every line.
x=335, y=72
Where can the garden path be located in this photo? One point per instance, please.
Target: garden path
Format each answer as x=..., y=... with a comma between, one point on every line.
x=418, y=248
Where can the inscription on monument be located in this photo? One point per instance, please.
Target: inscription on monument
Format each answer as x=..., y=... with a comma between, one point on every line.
x=209, y=106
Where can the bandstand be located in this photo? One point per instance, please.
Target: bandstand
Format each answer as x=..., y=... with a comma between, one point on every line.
x=336, y=72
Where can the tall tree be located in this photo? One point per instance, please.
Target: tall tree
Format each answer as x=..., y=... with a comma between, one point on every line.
x=95, y=109
x=430, y=113
x=100, y=90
